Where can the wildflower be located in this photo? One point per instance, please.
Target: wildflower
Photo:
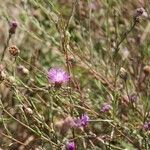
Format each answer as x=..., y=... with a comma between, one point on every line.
x=13, y=50
x=58, y=76
x=83, y=121
x=146, y=126
x=106, y=107
x=70, y=146
x=13, y=26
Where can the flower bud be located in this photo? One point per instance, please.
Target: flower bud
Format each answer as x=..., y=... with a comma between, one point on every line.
x=133, y=97
x=106, y=107
x=13, y=26
x=70, y=146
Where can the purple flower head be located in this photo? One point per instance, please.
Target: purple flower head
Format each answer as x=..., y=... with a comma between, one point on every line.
x=146, y=126
x=58, y=76
x=133, y=97
x=13, y=26
x=106, y=107
x=70, y=146
x=83, y=121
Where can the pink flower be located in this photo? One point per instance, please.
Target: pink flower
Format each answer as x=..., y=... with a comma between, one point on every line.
x=70, y=146
x=83, y=121
x=106, y=107
x=58, y=76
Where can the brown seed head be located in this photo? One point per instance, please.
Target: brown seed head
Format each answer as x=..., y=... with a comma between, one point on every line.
x=13, y=50
x=123, y=73
x=146, y=69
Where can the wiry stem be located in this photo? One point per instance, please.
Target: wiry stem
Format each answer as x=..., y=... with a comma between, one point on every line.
x=5, y=47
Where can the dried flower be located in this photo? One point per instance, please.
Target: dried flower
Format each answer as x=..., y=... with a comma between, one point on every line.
x=106, y=107
x=70, y=145
x=133, y=97
x=13, y=50
x=140, y=12
x=58, y=76
x=146, y=126
x=28, y=110
x=83, y=121
x=123, y=73
x=65, y=124
x=22, y=70
x=146, y=69
x=13, y=26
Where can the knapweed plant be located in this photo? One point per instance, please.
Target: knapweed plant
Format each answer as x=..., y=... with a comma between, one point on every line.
x=74, y=75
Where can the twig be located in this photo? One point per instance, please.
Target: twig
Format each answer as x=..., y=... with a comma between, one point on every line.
x=5, y=47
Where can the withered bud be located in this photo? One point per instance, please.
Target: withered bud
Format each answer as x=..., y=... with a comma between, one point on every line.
x=28, y=110
x=22, y=70
x=140, y=12
x=65, y=125
x=13, y=27
x=146, y=69
x=123, y=73
x=13, y=50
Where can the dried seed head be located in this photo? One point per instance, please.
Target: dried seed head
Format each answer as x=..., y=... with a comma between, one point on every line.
x=65, y=125
x=13, y=50
x=28, y=110
x=123, y=73
x=133, y=97
x=140, y=12
x=146, y=69
x=22, y=70
x=13, y=27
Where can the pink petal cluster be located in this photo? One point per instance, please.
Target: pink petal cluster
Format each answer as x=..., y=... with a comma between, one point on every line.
x=58, y=76
x=83, y=121
x=105, y=107
x=70, y=145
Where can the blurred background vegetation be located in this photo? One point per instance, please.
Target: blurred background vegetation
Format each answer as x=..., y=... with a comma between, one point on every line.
x=105, y=47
